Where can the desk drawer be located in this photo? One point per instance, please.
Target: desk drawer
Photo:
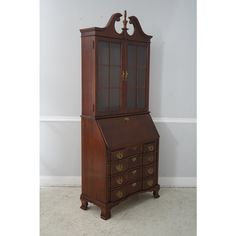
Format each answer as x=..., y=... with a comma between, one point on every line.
x=149, y=170
x=125, y=177
x=125, y=152
x=149, y=182
x=125, y=164
x=149, y=158
x=150, y=147
x=126, y=190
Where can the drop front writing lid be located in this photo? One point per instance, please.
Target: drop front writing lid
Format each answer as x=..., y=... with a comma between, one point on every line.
x=131, y=130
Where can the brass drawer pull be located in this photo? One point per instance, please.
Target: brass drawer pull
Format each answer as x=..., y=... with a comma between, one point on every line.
x=119, y=180
x=119, y=194
x=119, y=167
x=134, y=184
x=150, y=171
x=119, y=155
x=150, y=158
x=134, y=159
x=151, y=148
x=150, y=182
x=126, y=119
x=134, y=172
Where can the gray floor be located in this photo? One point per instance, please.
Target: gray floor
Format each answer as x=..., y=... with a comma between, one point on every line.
x=173, y=214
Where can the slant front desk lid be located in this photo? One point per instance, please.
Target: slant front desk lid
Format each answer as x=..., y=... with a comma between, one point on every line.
x=132, y=130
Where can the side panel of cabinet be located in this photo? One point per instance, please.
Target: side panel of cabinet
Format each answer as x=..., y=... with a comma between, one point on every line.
x=94, y=162
x=88, y=75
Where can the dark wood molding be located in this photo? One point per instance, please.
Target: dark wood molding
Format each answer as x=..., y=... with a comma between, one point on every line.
x=110, y=31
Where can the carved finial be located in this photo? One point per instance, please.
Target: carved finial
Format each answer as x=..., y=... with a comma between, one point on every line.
x=125, y=21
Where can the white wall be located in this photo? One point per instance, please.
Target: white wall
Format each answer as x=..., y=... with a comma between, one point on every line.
x=173, y=79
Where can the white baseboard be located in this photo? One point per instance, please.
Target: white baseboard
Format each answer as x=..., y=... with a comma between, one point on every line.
x=53, y=181
x=71, y=181
x=178, y=182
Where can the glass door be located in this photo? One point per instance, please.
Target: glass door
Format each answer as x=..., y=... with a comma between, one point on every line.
x=108, y=81
x=137, y=77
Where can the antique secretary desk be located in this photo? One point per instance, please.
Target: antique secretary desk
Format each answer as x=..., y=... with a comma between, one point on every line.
x=119, y=140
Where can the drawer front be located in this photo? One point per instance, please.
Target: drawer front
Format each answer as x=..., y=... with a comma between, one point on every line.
x=149, y=182
x=125, y=191
x=135, y=174
x=134, y=161
x=127, y=163
x=118, y=155
x=150, y=147
x=149, y=158
x=133, y=187
x=132, y=150
x=149, y=170
x=125, y=152
x=118, y=194
x=119, y=166
x=119, y=180
x=129, y=176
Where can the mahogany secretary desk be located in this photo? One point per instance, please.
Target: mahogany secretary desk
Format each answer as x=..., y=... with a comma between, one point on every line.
x=120, y=142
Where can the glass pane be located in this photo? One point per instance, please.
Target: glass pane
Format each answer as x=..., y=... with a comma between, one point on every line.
x=141, y=98
x=141, y=75
x=131, y=99
x=142, y=56
x=131, y=88
x=115, y=53
x=103, y=52
x=102, y=99
x=131, y=55
x=114, y=99
x=103, y=76
x=131, y=79
x=115, y=74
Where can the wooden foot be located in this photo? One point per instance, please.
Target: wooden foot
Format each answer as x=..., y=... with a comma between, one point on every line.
x=105, y=213
x=84, y=204
x=156, y=192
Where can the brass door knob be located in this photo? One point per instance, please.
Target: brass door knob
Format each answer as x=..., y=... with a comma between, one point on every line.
x=119, y=194
x=119, y=180
x=119, y=155
x=119, y=167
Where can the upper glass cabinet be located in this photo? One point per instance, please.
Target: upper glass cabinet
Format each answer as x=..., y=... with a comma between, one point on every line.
x=121, y=84
x=115, y=68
